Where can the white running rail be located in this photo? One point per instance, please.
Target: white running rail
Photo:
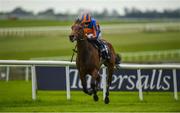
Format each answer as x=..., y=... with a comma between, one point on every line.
x=34, y=63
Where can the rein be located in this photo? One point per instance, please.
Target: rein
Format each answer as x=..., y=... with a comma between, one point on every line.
x=79, y=37
x=74, y=51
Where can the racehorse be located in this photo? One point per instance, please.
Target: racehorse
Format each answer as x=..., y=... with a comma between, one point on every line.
x=88, y=61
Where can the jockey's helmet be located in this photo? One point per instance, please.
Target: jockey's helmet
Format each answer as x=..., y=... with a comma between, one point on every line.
x=86, y=18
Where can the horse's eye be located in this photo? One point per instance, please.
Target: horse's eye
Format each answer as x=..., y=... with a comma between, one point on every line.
x=72, y=27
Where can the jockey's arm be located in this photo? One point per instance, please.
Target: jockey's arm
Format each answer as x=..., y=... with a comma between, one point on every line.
x=94, y=32
x=92, y=35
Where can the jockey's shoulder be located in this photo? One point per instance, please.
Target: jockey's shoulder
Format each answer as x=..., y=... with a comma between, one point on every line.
x=94, y=21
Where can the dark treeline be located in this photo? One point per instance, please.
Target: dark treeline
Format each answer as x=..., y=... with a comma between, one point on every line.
x=136, y=13
x=19, y=13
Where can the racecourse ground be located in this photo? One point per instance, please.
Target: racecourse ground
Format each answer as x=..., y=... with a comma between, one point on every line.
x=16, y=96
x=55, y=44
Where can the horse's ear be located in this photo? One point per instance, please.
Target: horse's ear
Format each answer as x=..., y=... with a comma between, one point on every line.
x=77, y=20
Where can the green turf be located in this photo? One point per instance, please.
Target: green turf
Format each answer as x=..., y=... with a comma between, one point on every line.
x=143, y=41
x=57, y=44
x=16, y=96
x=30, y=23
x=27, y=47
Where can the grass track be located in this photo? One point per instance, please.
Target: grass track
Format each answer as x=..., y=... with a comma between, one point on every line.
x=30, y=23
x=16, y=96
x=53, y=45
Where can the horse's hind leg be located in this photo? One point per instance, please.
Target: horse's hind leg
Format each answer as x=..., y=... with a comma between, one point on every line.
x=109, y=79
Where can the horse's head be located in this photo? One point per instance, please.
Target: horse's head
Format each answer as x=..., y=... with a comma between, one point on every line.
x=77, y=32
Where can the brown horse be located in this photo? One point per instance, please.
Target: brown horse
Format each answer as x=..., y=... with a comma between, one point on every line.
x=88, y=61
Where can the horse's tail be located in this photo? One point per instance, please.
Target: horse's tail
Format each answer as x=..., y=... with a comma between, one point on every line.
x=117, y=56
x=117, y=61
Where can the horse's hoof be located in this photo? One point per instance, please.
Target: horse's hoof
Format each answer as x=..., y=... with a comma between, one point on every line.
x=106, y=101
x=90, y=91
x=96, y=98
x=85, y=91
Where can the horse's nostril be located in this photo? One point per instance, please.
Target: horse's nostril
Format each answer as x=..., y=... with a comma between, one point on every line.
x=71, y=36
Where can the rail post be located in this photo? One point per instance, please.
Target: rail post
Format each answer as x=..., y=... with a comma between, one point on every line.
x=27, y=73
x=34, y=82
x=7, y=73
x=68, y=83
x=140, y=85
x=104, y=81
x=175, y=84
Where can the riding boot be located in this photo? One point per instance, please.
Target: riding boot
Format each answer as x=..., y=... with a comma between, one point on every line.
x=102, y=48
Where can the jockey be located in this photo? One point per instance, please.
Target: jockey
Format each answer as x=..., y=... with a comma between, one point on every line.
x=93, y=33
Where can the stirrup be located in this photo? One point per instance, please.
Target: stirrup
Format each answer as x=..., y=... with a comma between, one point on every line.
x=105, y=55
x=108, y=57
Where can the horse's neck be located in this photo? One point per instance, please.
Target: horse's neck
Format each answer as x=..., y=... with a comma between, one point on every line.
x=83, y=52
x=82, y=45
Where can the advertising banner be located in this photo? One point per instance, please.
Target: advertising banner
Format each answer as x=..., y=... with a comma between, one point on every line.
x=54, y=78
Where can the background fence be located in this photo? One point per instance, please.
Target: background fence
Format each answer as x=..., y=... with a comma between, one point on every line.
x=119, y=28
x=33, y=65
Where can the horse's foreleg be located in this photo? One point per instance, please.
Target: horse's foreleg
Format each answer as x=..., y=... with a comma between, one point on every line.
x=94, y=84
x=94, y=89
x=84, y=85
